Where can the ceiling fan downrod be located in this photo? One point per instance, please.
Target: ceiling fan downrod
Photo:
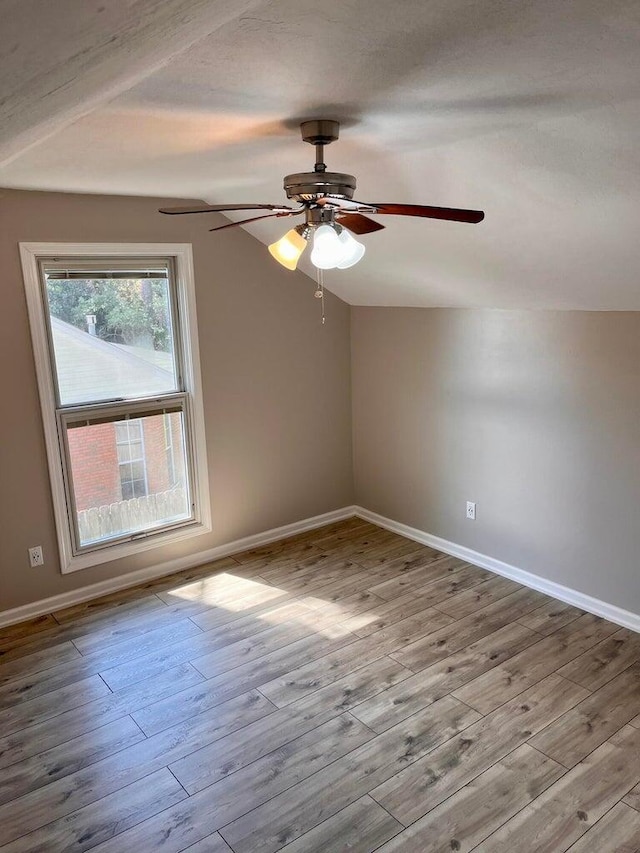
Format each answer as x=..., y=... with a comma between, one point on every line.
x=311, y=186
x=320, y=132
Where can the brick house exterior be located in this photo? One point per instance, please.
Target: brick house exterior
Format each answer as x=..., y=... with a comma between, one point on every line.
x=96, y=469
x=94, y=461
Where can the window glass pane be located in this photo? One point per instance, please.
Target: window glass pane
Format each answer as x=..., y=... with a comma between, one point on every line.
x=114, y=498
x=112, y=337
x=137, y=470
x=139, y=488
x=122, y=432
x=135, y=449
x=124, y=453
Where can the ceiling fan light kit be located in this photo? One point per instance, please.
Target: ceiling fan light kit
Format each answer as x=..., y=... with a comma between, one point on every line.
x=354, y=251
x=330, y=212
x=335, y=248
x=288, y=249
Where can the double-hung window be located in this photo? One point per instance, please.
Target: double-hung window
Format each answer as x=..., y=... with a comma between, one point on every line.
x=115, y=342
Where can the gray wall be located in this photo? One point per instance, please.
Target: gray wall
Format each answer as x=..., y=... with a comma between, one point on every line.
x=276, y=386
x=534, y=415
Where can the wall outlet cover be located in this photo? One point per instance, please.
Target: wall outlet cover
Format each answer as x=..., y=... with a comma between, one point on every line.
x=36, y=556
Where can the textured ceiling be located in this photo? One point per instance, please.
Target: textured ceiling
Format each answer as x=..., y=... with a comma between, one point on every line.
x=527, y=109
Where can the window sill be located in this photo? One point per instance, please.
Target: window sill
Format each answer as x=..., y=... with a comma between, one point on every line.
x=109, y=553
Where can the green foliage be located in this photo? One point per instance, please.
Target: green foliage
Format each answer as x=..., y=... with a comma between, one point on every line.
x=128, y=311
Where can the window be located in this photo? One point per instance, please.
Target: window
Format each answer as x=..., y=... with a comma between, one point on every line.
x=131, y=459
x=113, y=329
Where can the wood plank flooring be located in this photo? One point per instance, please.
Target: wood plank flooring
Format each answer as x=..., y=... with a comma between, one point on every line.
x=343, y=690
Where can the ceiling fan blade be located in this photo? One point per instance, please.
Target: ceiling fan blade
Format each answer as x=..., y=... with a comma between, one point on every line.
x=221, y=208
x=358, y=223
x=451, y=213
x=254, y=219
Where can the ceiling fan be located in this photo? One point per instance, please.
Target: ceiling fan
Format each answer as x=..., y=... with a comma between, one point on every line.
x=330, y=212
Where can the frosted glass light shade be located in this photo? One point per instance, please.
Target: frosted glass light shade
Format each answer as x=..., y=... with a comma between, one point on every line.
x=332, y=249
x=327, y=248
x=287, y=249
x=353, y=250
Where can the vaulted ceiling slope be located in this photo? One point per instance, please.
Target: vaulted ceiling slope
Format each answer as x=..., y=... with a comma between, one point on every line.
x=527, y=109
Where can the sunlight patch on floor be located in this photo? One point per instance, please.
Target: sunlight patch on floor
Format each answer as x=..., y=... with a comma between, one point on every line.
x=225, y=590
x=236, y=594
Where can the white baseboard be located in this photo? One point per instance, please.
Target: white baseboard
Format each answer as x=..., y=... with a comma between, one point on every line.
x=86, y=593
x=612, y=612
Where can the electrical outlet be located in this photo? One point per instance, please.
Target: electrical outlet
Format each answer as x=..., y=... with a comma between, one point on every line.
x=471, y=510
x=36, y=557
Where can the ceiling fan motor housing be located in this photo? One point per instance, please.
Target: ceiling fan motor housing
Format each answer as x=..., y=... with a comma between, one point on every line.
x=309, y=186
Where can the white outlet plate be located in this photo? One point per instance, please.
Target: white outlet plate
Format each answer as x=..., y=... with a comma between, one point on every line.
x=36, y=557
x=471, y=510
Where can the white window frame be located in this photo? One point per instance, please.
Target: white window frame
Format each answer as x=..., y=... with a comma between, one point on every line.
x=182, y=259
x=169, y=450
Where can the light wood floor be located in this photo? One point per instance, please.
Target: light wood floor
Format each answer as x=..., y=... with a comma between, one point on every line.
x=345, y=690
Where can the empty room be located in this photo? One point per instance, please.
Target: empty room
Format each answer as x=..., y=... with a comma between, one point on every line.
x=320, y=434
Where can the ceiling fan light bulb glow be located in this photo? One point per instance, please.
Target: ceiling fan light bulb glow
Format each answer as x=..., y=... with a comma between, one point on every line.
x=328, y=249
x=324, y=235
x=353, y=250
x=287, y=249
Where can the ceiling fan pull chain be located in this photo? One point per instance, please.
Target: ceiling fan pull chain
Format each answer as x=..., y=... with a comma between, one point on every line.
x=319, y=294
